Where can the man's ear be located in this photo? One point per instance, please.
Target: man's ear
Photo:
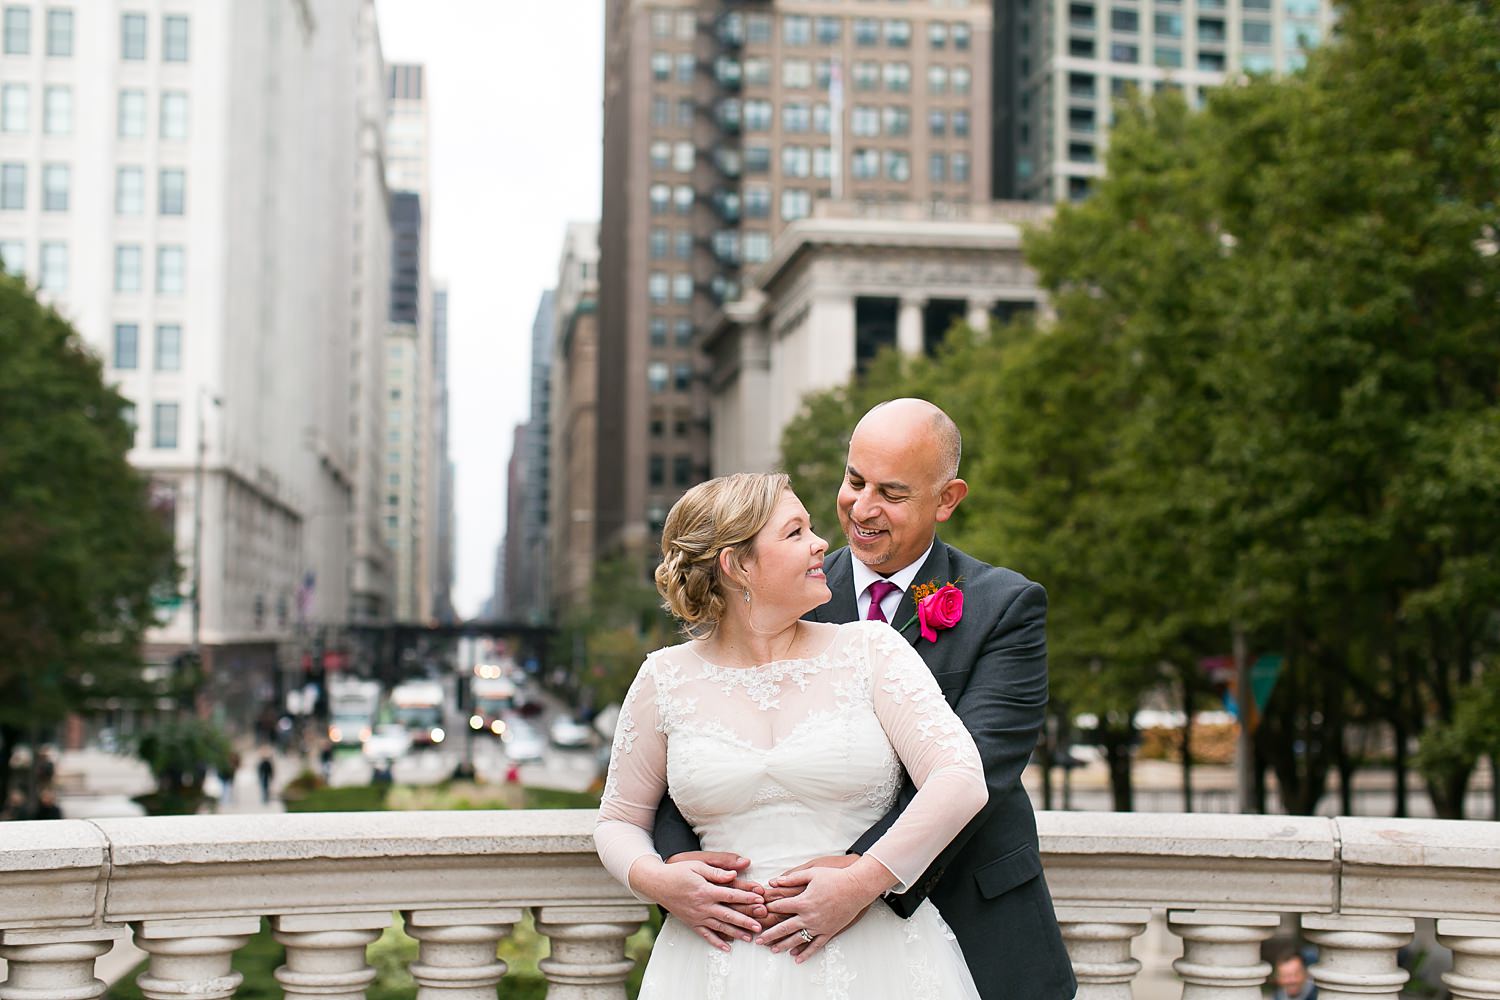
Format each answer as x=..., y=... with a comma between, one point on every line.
x=949, y=498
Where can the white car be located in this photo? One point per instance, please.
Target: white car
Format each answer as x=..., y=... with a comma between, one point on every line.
x=570, y=734
x=522, y=743
x=390, y=742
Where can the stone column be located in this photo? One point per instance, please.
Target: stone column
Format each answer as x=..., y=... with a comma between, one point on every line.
x=1098, y=940
x=588, y=949
x=325, y=954
x=909, y=339
x=1476, y=958
x=1357, y=955
x=1221, y=953
x=979, y=313
x=457, y=959
x=54, y=964
x=190, y=958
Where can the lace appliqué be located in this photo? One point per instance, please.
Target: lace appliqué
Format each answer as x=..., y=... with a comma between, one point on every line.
x=834, y=974
x=763, y=684
x=906, y=680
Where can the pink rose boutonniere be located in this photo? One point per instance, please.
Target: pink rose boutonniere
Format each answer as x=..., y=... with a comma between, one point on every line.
x=937, y=608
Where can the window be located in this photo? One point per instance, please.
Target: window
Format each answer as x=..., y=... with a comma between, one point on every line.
x=661, y=66
x=17, y=31
x=682, y=376
x=937, y=122
x=796, y=161
x=865, y=164
x=657, y=374
x=174, y=115
x=796, y=29
x=661, y=112
x=757, y=116
x=961, y=35
x=132, y=36
x=960, y=123
x=822, y=119
x=127, y=346
x=56, y=178
x=656, y=465
x=1210, y=30
x=57, y=111
x=13, y=257
x=937, y=79
x=132, y=124
x=661, y=24
x=961, y=79
x=960, y=164
x=682, y=288
x=1121, y=53
x=15, y=107
x=128, y=268
x=169, y=348
x=897, y=76
x=661, y=153
x=864, y=120
x=756, y=247
x=757, y=159
x=937, y=34
x=866, y=31
x=686, y=109
x=164, y=426
x=823, y=70
x=1258, y=62
x=829, y=30
x=796, y=74
x=758, y=29
x=897, y=165
x=682, y=471
x=683, y=244
x=822, y=165
x=683, y=157
x=13, y=187
x=757, y=201
x=898, y=33
x=1211, y=62
x=795, y=204
x=1257, y=33
x=657, y=287
x=937, y=167
x=682, y=199
x=174, y=38
x=1168, y=56
x=54, y=270
x=687, y=67
x=130, y=191
x=60, y=32
x=896, y=120
x=1122, y=19
x=758, y=72
x=1169, y=25
x=683, y=331
x=661, y=197
x=171, y=194
x=658, y=331
x=796, y=116
x=687, y=26
x=866, y=75
x=657, y=242
x=171, y=270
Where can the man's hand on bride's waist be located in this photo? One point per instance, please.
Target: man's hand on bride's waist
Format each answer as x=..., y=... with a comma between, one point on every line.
x=707, y=891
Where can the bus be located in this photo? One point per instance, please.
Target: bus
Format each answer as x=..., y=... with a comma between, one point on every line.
x=493, y=696
x=418, y=705
x=352, y=707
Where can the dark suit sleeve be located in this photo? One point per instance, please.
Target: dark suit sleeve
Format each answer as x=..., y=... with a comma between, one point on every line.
x=1003, y=706
x=671, y=831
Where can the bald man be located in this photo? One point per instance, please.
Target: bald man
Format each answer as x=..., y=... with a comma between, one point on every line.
x=900, y=482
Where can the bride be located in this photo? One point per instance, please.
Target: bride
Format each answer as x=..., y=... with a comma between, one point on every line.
x=784, y=740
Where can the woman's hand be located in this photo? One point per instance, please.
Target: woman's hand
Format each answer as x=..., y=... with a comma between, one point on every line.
x=702, y=896
x=830, y=900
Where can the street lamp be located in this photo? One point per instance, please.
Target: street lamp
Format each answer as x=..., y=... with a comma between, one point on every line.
x=203, y=396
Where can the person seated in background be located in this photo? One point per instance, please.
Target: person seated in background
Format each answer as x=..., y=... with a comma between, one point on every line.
x=1290, y=977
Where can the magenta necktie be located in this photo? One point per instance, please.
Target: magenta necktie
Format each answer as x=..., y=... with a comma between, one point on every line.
x=879, y=590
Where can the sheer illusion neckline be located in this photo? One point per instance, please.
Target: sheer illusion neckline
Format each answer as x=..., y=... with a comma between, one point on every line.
x=782, y=663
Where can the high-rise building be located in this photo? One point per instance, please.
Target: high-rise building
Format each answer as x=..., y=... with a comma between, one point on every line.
x=574, y=427
x=723, y=122
x=175, y=178
x=442, y=596
x=528, y=568
x=412, y=479
x=1060, y=65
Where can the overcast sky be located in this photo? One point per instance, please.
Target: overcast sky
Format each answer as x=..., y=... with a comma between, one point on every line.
x=515, y=90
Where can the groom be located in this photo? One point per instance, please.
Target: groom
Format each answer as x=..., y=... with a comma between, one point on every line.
x=900, y=482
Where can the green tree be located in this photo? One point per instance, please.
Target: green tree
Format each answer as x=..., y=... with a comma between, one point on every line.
x=606, y=641
x=81, y=553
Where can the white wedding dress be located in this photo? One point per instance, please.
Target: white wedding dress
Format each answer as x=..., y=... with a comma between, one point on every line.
x=784, y=762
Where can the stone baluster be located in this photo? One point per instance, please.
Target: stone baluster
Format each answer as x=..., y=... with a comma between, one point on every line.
x=190, y=958
x=1357, y=955
x=1099, y=940
x=1476, y=957
x=588, y=949
x=54, y=964
x=457, y=957
x=1221, y=953
x=325, y=954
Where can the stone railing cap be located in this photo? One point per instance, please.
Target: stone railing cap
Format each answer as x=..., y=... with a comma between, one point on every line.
x=1191, y=835
x=1424, y=843
x=47, y=845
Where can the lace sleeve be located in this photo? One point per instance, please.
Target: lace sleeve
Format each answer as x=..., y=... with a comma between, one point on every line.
x=935, y=748
x=636, y=781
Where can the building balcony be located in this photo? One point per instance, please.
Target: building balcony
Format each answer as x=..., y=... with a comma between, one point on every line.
x=191, y=891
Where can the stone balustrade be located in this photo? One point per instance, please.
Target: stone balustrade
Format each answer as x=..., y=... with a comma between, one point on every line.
x=191, y=891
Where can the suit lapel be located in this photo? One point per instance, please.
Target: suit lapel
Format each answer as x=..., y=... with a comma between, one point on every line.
x=935, y=568
x=842, y=606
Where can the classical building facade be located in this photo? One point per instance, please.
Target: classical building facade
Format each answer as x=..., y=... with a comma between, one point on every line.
x=844, y=284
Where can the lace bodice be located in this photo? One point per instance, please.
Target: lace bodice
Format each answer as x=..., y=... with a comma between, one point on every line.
x=792, y=759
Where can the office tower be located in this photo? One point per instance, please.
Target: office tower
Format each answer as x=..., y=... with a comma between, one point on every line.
x=175, y=178
x=723, y=123
x=1061, y=65
x=442, y=597
x=528, y=567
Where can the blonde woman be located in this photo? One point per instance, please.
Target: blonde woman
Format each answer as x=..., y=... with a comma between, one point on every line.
x=783, y=740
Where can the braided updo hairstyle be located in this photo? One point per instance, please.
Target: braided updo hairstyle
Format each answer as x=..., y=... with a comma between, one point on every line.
x=723, y=513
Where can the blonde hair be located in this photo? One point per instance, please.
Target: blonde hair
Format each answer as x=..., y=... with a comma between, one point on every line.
x=723, y=513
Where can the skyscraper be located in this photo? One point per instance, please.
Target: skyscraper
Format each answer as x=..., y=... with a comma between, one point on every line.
x=722, y=123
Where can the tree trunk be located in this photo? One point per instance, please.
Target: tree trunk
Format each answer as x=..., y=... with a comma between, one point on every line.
x=1495, y=787
x=1399, y=765
x=1187, y=754
x=1119, y=752
x=1448, y=793
x=1345, y=765
x=7, y=747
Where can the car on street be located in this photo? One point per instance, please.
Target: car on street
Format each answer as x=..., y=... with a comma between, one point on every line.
x=522, y=743
x=389, y=742
x=570, y=734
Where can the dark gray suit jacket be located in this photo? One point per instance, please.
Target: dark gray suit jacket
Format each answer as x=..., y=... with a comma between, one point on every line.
x=988, y=882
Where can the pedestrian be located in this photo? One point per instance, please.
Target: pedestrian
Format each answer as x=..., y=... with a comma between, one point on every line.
x=1292, y=980
x=227, y=771
x=265, y=769
x=325, y=757
x=46, y=805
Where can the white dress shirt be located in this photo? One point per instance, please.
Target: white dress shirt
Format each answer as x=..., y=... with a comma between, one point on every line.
x=864, y=576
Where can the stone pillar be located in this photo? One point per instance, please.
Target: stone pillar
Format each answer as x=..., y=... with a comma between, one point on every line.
x=1476, y=958
x=588, y=950
x=1221, y=953
x=979, y=314
x=54, y=964
x=1098, y=940
x=1357, y=955
x=457, y=959
x=909, y=339
x=190, y=958
x=325, y=954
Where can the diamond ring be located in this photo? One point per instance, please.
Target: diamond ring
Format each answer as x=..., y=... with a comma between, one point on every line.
x=805, y=935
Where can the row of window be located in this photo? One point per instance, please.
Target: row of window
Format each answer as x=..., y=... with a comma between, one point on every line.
x=130, y=189
x=164, y=421
x=660, y=376
x=683, y=473
x=171, y=269
x=57, y=112
x=799, y=29
x=168, y=347
x=682, y=424
x=134, y=34
x=662, y=288
x=801, y=74
x=52, y=263
x=682, y=331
